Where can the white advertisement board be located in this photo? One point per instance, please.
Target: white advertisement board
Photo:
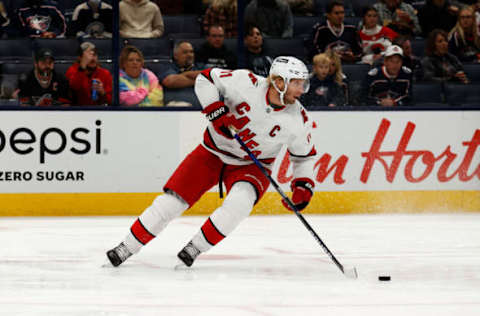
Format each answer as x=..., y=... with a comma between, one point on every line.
x=70, y=151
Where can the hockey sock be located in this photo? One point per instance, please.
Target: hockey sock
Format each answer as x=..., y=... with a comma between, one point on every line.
x=237, y=206
x=153, y=220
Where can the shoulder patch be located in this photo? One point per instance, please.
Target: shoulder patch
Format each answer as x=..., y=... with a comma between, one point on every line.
x=373, y=72
x=406, y=69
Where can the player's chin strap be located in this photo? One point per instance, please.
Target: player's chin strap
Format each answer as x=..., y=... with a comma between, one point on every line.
x=282, y=93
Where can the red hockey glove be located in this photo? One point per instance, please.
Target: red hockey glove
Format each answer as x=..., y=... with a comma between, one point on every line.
x=302, y=193
x=220, y=117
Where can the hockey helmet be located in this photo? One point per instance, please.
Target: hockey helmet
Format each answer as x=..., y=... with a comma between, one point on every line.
x=288, y=68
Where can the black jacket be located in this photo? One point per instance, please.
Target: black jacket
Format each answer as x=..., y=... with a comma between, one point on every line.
x=379, y=85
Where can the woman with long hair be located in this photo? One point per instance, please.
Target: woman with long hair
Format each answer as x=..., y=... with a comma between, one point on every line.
x=439, y=64
x=464, y=41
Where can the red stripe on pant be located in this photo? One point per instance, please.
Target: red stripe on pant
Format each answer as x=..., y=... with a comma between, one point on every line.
x=141, y=233
x=211, y=233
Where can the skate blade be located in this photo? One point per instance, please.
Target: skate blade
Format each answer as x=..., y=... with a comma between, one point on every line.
x=107, y=264
x=181, y=266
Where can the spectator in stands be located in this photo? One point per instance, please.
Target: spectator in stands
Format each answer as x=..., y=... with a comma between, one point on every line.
x=409, y=60
x=325, y=89
x=214, y=53
x=138, y=86
x=476, y=8
x=390, y=84
x=257, y=60
x=41, y=18
x=334, y=35
x=464, y=41
x=399, y=16
x=183, y=71
x=273, y=17
x=4, y=20
x=223, y=13
x=90, y=83
x=140, y=19
x=439, y=64
x=437, y=14
x=43, y=86
x=336, y=72
x=374, y=37
x=301, y=7
x=92, y=18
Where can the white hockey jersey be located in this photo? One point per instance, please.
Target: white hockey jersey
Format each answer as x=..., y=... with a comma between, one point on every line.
x=265, y=129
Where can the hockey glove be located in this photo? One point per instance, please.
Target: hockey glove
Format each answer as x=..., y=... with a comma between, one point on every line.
x=221, y=118
x=302, y=193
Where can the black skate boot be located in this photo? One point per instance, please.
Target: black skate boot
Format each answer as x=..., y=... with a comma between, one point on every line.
x=188, y=254
x=118, y=254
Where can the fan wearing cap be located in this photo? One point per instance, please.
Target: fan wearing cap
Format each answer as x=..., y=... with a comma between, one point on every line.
x=86, y=76
x=43, y=85
x=389, y=84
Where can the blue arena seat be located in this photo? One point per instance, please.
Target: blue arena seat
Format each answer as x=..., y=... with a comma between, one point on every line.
x=352, y=20
x=156, y=67
x=418, y=47
x=16, y=49
x=355, y=72
x=181, y=24
x=302, y=25
x=181, y=95
x=457, y=94
x=427, y=93
x=16, y=68
x=285, y=46
x=64, y=49
x=230, y=43
x=472, y=71
x=104, y=47
x=358, y=5
x=152, y=48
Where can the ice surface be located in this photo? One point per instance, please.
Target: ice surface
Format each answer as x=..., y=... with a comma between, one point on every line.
x=270, y=265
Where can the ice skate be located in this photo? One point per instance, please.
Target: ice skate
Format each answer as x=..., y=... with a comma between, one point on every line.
x=188, y=254
x=118, y=254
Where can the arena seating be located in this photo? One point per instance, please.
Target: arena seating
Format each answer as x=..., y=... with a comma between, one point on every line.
x=461, y=94
x=358, y=5
x=473, y=72
x=284, y=46
x=152, y=48
x=230, y=43
x=181, y=95
x=427, y=93
x=302, y=25
x=16, y=49
x=182, y=24
x=418, y=47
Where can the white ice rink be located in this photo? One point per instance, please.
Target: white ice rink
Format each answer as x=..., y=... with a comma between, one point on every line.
x=269, y=266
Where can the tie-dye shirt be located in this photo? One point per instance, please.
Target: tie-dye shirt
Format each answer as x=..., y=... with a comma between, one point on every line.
x=135, y=91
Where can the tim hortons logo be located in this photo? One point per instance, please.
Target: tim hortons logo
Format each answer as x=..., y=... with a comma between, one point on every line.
x=423, y=160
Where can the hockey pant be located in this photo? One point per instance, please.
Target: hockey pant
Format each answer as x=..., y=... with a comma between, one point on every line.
x=200, y=171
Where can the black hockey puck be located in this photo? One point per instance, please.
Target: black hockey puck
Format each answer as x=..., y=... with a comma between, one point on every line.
x=384, y=278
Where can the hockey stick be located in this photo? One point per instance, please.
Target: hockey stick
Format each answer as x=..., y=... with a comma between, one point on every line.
x=348, y=272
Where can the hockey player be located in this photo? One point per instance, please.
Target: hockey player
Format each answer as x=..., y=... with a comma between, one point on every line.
x=267, y=114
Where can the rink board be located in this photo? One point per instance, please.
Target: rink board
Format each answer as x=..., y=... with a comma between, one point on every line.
x=115, y=163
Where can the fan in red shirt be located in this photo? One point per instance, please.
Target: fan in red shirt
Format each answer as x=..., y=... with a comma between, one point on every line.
x=375, y=38
x=90, y=83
